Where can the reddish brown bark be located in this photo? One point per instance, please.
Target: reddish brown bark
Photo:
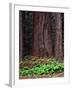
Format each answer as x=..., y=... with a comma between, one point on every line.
x=47, y=36
x=42, y=40
x=40, y=34
x=58, y=45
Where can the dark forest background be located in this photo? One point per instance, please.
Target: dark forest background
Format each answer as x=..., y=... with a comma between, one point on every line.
x=41, y=34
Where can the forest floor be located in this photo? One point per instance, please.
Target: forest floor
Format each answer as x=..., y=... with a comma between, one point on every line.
x=43, y=76
x=40, y=67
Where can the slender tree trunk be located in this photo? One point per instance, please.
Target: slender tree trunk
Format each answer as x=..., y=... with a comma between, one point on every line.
x=58, y=45
x=20, y=35
x=40, y=34
x=35, y=51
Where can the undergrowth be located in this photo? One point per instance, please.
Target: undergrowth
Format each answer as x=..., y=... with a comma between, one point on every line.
x=50, y=67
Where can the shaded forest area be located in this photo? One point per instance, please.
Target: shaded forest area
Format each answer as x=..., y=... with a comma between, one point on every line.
x=41, y=44
x=41, y=34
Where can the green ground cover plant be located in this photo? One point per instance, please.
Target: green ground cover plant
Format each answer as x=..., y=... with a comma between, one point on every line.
x=37, y=66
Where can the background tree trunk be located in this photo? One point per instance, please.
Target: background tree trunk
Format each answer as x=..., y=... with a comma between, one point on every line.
x=58, y=45
x=47, y=35
x=20, y=35
x=40, y=34
x=35, y=50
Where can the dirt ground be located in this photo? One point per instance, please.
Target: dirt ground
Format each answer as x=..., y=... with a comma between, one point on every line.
x=43, y=76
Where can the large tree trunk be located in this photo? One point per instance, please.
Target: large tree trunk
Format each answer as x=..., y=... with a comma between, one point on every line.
x=42, y=45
